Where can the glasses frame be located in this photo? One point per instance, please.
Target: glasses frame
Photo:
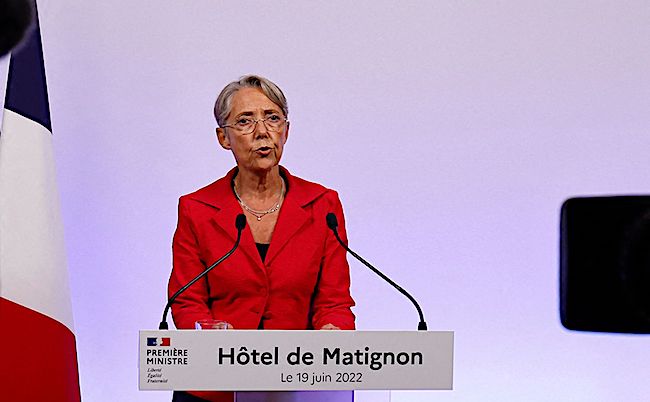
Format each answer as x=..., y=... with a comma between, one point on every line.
x=255, y=121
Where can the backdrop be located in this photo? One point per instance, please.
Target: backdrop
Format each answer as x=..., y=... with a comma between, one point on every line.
x=453, y=131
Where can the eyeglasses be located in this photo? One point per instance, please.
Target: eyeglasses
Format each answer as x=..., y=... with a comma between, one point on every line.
x=246, y=125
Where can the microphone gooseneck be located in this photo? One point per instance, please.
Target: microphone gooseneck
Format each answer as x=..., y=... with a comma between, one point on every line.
x=333, y=224
x=240, y=223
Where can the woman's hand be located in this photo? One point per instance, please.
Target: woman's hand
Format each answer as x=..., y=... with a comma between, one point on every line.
x=329, y=327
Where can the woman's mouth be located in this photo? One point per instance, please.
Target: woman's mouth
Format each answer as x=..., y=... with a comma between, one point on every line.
x=263, y=151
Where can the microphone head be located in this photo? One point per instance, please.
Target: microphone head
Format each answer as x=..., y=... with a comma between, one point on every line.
x=332, y=222
x=240, y=222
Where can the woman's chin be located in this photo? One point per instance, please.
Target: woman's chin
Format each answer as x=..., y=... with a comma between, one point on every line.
x=263, y=165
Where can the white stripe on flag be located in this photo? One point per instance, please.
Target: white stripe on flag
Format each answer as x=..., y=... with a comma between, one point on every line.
x=33, y=270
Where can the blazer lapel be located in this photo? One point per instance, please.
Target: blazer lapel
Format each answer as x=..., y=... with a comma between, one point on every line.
x=292, y=218
x=225, y=219
x=219, y=195
x=293, y=215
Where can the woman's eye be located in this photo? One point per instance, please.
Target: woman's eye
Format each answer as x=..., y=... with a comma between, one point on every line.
x=274, y=118
x=243, y=121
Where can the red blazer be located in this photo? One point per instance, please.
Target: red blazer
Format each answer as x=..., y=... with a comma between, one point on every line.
x=303, y=283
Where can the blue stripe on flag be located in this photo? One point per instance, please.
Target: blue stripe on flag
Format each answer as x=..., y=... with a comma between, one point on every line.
x=26, y=87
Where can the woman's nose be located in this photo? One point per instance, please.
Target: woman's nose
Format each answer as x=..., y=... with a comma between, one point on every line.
x=260, y=128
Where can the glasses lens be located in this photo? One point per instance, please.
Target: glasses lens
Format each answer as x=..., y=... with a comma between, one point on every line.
x=249, y=127
x=274, y=122
x=244, y=125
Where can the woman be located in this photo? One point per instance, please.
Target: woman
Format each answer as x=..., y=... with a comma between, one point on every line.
x=289, y=271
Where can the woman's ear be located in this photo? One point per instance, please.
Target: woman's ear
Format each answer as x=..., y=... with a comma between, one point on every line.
x=223, y=138
x=286, y=133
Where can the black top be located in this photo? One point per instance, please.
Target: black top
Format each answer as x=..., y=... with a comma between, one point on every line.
x=262, y=249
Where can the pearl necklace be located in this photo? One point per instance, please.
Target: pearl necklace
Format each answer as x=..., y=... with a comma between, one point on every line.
x=260, y=214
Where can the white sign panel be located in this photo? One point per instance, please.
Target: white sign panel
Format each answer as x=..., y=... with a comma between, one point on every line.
x=251, y=360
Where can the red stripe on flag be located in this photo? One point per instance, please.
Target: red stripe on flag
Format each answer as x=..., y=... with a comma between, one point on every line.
x=39, y=357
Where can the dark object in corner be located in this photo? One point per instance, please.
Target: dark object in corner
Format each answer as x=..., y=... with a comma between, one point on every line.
x=15, y=18
x=605, y=264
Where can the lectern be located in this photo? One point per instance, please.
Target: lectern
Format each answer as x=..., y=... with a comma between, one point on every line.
x=254, y=362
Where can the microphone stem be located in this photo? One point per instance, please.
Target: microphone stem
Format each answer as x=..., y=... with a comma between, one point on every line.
x=163, y=323
x=422, y=325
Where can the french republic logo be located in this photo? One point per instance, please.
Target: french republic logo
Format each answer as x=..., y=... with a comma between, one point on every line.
x=159, y=342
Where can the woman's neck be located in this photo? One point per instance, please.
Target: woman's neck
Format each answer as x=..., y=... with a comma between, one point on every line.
x=259, y=186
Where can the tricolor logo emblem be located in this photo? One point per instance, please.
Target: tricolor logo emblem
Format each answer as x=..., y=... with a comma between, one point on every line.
x=158, y=342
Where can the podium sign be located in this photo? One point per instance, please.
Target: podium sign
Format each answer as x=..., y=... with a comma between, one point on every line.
x=252, y=360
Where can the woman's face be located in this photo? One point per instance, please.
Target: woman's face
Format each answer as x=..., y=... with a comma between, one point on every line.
x=262, y=149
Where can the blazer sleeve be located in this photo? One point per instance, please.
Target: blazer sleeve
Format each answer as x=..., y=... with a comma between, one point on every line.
x=332, y=301
x=191, y=305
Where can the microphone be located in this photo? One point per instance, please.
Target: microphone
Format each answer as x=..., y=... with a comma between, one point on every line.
x=333, y=224
x=240, y=223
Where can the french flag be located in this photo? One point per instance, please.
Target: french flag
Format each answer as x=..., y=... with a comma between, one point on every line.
x=39, y=358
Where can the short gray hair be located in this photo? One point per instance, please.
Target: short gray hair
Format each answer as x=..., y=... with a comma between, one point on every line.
x=222, y=106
